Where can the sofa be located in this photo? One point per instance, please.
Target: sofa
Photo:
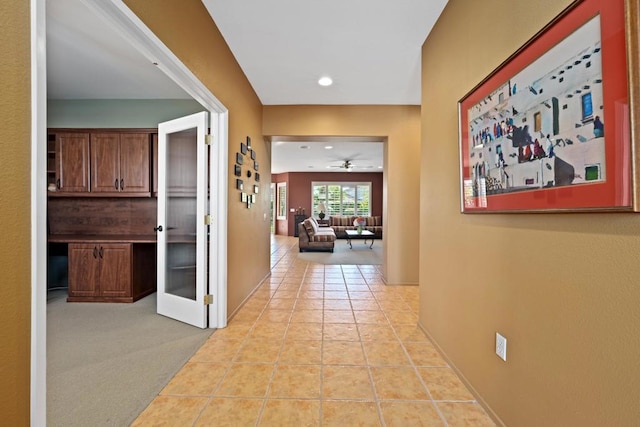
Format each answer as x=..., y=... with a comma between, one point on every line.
x=312, y=237
x=341, y=223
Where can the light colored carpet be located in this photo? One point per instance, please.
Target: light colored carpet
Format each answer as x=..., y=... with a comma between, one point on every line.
x=360, y=254
x=106, y=362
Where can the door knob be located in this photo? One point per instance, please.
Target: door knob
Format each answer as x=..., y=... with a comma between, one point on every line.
x=158, y=228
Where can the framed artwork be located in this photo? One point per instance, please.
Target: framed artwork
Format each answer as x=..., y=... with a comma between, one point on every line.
x=248, y=141
x=237, y=170
x=239, y=184
x=253, y=155
x=257, y=177
x=255, y=189
x=243, y=148
x=550, y=129
x=243, y=197
x=255, y=165
x=239, y=158
x=248, y=174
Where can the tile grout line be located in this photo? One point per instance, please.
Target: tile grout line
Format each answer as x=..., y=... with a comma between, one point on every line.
x=415, y=369
x=276, y=364
x=368, y=366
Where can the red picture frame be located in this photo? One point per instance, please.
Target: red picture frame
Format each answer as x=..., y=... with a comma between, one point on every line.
x=550, y=129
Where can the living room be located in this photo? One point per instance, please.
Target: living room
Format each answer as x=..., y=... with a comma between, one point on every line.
x=344, y=174
x=397, y=128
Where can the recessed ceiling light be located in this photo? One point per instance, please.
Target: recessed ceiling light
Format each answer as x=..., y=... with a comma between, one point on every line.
x=379, y=167
x=304, y=147
x=328, y=147
x=325, y=81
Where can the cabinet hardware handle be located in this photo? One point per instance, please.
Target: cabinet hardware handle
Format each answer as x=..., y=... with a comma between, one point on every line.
x=158, y=228
x=95, y=252
x=101, y=251
x=115, y=184
x=122, y=184
x=58, y=183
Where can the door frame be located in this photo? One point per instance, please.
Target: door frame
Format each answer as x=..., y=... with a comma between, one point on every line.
x=272, y=207
x=142, y=38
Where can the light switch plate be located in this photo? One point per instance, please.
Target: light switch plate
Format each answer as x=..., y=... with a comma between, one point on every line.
x=501, y=346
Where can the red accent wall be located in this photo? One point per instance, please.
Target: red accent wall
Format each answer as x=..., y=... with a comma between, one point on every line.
x=299, y=191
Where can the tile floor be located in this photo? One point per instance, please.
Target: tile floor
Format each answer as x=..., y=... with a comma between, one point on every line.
x=318, y=345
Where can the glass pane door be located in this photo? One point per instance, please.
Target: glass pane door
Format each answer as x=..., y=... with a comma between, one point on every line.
x=182, y=232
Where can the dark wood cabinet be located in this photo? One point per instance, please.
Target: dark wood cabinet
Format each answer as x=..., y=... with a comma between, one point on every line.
x=120, y=163
x=71, y=158
x=99, y=162
x=110, y=272
x=297, y=219
x=83, y=270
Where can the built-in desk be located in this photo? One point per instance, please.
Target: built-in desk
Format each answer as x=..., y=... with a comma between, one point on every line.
x=111, y=238
x=109, y=267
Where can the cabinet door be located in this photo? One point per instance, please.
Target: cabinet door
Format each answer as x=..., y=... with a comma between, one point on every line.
x=134, y=162
x=105, y=162
x=83, y=270
x=115, y=269
x=72, y=162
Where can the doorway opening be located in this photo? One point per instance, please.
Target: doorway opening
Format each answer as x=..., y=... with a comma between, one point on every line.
x=122, y=20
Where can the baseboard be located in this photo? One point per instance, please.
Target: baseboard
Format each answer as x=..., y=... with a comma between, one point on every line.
x=244, y=301
x=384, y=279
x=464, y=380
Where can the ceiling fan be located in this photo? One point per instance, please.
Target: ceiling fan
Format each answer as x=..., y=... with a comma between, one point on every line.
x=348, y=166
x=345, y=165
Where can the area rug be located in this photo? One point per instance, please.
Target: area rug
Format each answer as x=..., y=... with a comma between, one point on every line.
x=342, y=254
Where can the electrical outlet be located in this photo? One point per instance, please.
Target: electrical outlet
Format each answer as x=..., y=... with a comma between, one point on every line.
x=501, y=347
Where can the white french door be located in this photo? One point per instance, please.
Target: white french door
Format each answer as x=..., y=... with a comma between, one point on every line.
x=182, y=233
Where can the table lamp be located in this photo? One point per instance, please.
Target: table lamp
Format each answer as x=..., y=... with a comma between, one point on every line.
x=321, y=209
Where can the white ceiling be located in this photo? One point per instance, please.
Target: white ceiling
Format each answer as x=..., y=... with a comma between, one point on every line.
x=371, y=49
x=313, y=154
x=87, y=59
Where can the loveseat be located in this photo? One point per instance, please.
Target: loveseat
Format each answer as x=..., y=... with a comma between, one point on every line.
x=312, y=237
x=341, y=223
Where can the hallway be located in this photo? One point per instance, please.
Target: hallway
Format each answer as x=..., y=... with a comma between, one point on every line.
x=315, y=345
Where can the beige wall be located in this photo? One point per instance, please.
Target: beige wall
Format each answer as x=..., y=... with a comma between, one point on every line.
x=563, y=288
x=401, y=126
x=15, y=142
x=187, y=29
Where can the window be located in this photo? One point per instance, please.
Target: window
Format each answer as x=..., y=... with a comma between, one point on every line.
x=342, y=198
x=282, y=200
x=587, y=107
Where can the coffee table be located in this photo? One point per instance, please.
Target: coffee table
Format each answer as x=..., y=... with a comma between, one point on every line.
x=363, y=235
